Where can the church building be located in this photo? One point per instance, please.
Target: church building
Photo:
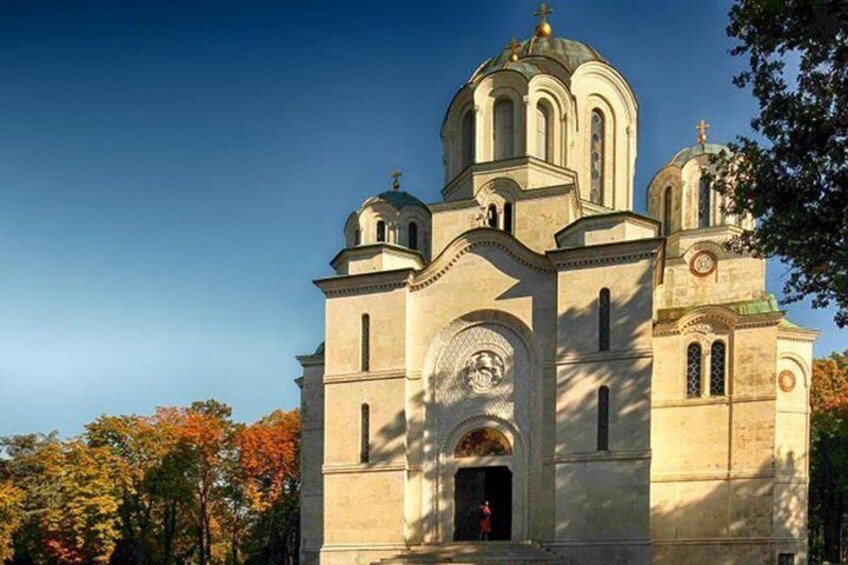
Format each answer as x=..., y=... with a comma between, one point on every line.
x=618, y=386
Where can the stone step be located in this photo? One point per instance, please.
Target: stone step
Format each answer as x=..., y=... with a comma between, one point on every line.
x=474, y=553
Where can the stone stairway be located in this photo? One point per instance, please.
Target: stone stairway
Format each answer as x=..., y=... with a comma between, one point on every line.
x=475, y=553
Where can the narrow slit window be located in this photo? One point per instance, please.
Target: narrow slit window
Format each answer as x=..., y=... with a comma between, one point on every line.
x=597, y=158
x=604, y=320
x=603, y=418
x=718, y=368
x=704, y=204
x=507, y=217
x=413, y=235
x=492, y=216
x=543, y=132
x=503, y=129
x=365, y=434
x=468, y=134
x=693, y=370
x=365, y=347
x=666, y=225
x=381, y=231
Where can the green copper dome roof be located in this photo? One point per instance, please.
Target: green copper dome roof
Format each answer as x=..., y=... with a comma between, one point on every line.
x=567, y=52
x=397, y=198
x=685, y=155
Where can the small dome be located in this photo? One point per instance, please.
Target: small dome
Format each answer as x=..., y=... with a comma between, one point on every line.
x=567, y=52
x=397, y=198
x=685, y=155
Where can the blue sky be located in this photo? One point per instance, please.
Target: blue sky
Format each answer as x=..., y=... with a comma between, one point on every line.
x=173, y=174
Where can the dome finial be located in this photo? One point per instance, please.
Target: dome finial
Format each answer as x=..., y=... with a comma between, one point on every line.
x=702, y=132
x=544, y=28
x=513, y=47
x=395, y=179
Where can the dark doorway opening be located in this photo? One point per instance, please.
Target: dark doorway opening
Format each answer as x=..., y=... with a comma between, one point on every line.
x=471, y=487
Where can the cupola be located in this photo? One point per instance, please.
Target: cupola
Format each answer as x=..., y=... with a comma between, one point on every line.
x=390, y=230
x=550, y=110
x=680, y=196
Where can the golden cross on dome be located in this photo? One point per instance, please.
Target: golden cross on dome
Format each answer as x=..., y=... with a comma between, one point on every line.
x=513, y=47
x=702, y=132
x=544, y=28
x=395, y=179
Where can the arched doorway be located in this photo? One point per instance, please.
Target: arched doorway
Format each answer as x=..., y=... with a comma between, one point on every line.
x=473, y=485
x=491, y=483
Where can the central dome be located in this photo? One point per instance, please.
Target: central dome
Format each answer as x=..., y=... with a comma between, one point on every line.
x=533, y=52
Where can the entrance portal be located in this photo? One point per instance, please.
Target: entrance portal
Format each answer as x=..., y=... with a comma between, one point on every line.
x=471, y=487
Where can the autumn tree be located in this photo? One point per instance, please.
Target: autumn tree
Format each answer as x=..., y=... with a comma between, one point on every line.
x=793, y=174
x=185, y=485
x=269, y=456
x=829, y=457
x=205, y=432
x=11, y=513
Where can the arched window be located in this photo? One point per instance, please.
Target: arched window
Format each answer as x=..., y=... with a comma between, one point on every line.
x=413, y=235
x=365, y=433
x=703, y=203
x=666, y=224
x=483, y=442
x=468, y=135
x=718, y=368
x=543, y=132
x=693, y=370
x=492, y=216
x=365, y=345
x=604, y=320
x=603, y=418
x=381, y=231
x=598, y=157
x=507, y=213
x=503, y=129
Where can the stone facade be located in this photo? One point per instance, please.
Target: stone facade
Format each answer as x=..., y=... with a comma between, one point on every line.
x=651, y=397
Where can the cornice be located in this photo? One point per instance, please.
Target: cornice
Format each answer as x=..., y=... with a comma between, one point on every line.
x=606, y=254
x=365, y=282
x=344, y=468
x=713, y=400
x=614, y=216
x=605, y=356
x=373, y=249
x=797, y=334
x=476, y=238
x=364, y=376
x=310, y=360
x=598, y=456
x=716, y=313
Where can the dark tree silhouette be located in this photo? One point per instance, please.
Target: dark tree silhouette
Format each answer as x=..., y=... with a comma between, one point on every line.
x=793, y=175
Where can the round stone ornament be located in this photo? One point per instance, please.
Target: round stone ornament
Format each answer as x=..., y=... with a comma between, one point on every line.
x=483, y=371
x=786, y=381
x=702, y=264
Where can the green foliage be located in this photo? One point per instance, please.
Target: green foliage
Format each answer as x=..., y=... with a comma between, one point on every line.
x=793, y=177
x=176, y=487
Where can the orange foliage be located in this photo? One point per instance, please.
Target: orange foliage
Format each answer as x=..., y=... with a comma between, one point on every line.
x=269, y=457
x=829, y=395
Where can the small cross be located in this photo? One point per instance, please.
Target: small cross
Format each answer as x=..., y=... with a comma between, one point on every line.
x=543, y=12
x=702, y=132
x=513, y=47
x=395, y=179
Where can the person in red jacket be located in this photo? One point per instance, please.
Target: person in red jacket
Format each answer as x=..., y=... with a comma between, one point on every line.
x=484, y=516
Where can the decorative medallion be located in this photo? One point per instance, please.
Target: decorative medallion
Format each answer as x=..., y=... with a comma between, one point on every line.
x=483, y=371
x=703, y=264
x=786, y=381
